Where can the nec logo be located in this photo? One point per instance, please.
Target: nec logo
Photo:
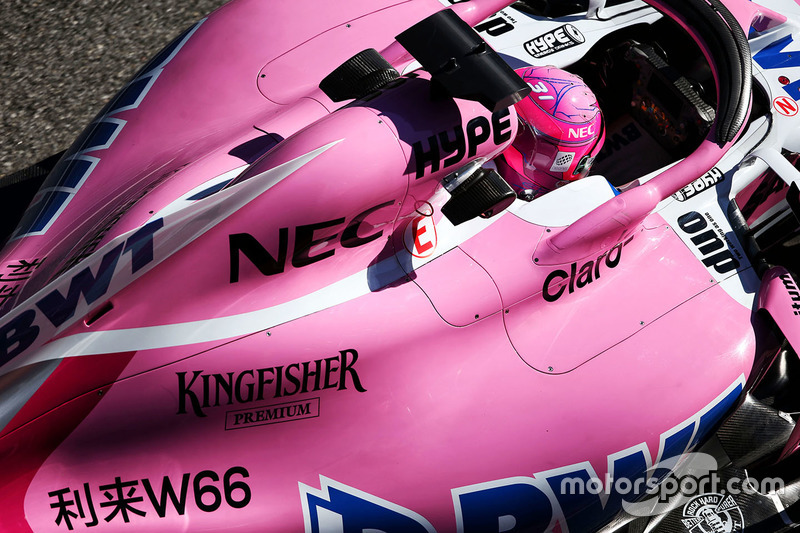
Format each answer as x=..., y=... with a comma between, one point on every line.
x=320, y=238
x=710, y=245
x=580, y=133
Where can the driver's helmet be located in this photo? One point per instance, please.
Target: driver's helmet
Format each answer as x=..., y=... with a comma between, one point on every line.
x=561, y=131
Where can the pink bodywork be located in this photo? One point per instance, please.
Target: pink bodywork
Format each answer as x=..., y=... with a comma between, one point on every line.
x=418, y=363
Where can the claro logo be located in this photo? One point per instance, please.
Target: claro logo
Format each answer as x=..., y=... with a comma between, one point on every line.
x=710, y=245
x=559, y=281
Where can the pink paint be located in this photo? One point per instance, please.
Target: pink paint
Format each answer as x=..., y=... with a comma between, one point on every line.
x=316, y=325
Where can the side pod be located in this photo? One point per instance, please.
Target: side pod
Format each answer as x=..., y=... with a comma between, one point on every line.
x=779, y=296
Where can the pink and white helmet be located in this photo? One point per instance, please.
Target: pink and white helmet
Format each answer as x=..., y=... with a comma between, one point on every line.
x=561, y=131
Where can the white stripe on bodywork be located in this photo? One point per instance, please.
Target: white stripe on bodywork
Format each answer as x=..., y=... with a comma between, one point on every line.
x=231, y=327
x=184, y=201
x=165, y=336
x=180, y=229
x=191, y=222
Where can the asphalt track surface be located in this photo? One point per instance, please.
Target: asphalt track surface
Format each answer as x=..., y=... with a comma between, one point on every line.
x=62, y=60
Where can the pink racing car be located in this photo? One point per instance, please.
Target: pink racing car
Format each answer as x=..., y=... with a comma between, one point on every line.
x=282, y=283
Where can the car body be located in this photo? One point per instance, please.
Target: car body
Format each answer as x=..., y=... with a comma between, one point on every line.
x=235, y=302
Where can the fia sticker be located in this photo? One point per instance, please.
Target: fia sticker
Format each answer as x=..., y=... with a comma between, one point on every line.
x=420, y=237
x=785, y=106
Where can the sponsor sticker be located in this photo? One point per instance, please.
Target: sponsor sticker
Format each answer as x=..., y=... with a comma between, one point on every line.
x=794, y=293
x=573, y=498
x=12, y=276
x=785, y=106
x=711, y=242
x=312, y=243
x=558, y=282
x=704, y=182
x=450, y=147
x=125, y=500
x=272, y=414
x=562, y=161
x=199, y=391
x=561, y=38
x=420, y=237
x=712, y=513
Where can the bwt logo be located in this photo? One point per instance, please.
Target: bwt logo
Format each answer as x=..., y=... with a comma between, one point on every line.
x=72, y=297
x=534, y=503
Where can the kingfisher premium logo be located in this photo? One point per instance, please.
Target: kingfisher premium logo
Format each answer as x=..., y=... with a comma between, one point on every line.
x=199, y=391
x=272, y=414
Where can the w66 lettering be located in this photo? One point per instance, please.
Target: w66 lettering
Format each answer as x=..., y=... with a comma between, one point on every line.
x=123, y=500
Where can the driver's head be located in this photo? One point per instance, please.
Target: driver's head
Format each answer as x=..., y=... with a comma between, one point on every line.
x=561, y=131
